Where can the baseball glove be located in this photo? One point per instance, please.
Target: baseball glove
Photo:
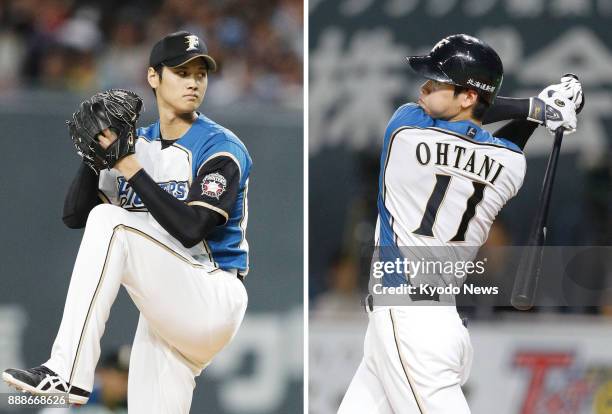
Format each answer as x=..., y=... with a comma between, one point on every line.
x=115, y=109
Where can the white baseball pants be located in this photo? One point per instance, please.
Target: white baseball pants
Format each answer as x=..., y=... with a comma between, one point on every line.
x=188, y=311
x=415, y=360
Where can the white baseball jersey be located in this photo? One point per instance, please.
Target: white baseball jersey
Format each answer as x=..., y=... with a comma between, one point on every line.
x=443, y=183
x=174, y=168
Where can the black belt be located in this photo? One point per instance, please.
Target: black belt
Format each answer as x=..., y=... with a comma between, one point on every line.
x=369, y=299
x=416, y=297
x=369, y=304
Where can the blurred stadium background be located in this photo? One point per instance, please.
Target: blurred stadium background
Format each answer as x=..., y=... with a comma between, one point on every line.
x=552, y=360
x=55, y=53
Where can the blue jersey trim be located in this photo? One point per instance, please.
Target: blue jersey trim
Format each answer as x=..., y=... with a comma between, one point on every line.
x=387, y=238
x=412, y=115
x=202, y=140
x=150, y=133
x=482, y=136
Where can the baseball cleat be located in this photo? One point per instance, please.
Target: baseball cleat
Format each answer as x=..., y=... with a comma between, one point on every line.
x=41, y=380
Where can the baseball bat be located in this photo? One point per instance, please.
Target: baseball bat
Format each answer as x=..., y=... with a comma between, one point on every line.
x=530, y=265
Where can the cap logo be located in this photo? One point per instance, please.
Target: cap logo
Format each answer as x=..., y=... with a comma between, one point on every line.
x=192, y=43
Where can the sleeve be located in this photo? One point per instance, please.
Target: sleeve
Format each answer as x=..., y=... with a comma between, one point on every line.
x=410, y=114
x=188, y=224
x=210, y=197
x=505, y=109
x=216, y=185
x=518, y=132
x=520, y=129
x=82, y=197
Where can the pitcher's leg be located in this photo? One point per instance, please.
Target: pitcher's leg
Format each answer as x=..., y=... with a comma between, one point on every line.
x=189, y=312
x=95, y=281
x=160, y=381
x=196, y=309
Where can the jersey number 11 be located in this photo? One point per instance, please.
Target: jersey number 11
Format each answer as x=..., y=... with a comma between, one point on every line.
x=435, y=200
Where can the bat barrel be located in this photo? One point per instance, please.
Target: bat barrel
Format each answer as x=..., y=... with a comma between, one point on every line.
x=529, y=269
x=527, y=276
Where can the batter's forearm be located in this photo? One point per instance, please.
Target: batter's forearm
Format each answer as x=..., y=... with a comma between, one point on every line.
x=82, y=197
x=521, y=112
x=518, y=131
x=506, y=109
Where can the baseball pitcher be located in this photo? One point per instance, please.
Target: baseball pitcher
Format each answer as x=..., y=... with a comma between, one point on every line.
x=165, y=214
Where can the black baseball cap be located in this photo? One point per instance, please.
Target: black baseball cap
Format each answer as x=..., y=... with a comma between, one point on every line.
x=179, y=48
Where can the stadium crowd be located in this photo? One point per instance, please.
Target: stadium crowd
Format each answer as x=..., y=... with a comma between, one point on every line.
x=84, y=46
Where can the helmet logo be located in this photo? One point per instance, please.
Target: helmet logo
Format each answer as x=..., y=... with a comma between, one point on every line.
x=481, y=85
x=440, y=44
x=559, y=103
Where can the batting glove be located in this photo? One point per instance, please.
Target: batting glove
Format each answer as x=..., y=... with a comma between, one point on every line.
x=570, y=88
x=557, y=105
x=560, y=112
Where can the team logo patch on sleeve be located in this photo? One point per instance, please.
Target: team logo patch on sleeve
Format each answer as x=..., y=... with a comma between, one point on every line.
x=214, y=185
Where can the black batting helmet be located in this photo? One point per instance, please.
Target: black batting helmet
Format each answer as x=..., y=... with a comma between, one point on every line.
x=465, y=61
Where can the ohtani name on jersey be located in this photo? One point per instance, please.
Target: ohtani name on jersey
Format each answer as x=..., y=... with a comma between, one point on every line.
x=456, y=156
x=129, y=199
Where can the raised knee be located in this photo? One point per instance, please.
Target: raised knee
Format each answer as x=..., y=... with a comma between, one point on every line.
x=106, y=214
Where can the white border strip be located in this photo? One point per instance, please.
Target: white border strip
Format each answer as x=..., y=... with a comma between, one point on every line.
x=305, y=208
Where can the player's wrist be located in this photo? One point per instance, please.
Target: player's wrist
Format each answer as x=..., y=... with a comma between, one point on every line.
x=537, y=110
x=128, y=166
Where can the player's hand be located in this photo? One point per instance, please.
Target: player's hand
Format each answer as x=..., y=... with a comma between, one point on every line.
x=106, y=138
x=570, y=88
x=560, y=112
x=128, y=166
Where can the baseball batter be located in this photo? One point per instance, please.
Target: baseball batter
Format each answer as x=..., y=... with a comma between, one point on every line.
x=168, y=223
x=443, y=180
